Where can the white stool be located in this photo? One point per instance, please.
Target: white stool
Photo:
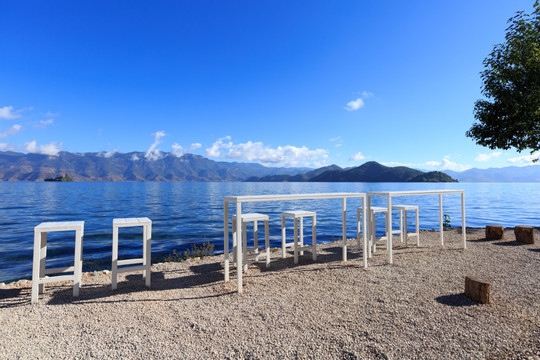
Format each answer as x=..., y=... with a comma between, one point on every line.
x=374, y=211
x=403, y=224
x=252, y=217
x=39, y=278
x=141, y=264
x=299, y=215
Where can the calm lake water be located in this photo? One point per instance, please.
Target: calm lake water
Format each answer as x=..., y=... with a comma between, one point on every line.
x=191, y=213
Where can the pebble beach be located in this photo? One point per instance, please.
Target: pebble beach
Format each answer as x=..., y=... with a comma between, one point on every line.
x=328, y=309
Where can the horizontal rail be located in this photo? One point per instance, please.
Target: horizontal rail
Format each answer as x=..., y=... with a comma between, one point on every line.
x=60, y=270
x=130, y=261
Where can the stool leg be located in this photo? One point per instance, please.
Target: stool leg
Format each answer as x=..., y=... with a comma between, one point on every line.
x=148, y=261
x=401, y=211
x=295, y=240
x=115, y=258
x=244, y=243
x=301, y=235
x=314, y=233
x=267, y=243
x=283, y=237
x=234, y=241
x=77, y=273
x=256, y=236
x=36, y=266
x=417, y=227
x=406, y=229
x=42, y=260
x=374, y=235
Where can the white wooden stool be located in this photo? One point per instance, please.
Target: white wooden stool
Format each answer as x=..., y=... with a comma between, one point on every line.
x=252, y=217
x=299, y=215
x=403, y=223
x=39, y=272
x=372, y=240
x=143, y=264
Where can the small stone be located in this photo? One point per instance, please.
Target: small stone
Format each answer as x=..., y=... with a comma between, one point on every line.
x=106, y=272
x=494, y=232
x=95, y=273
x=524, y=234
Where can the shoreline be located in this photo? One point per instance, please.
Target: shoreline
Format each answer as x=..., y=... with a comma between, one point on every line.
x=328, y=309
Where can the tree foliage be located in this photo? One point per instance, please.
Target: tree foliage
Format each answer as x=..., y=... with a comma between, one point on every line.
x=510, y=116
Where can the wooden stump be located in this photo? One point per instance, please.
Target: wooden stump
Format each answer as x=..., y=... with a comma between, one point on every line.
x=494, y=232
x=477, y=289
x=524, y=234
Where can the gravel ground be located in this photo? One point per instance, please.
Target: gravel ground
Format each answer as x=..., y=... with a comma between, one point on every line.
x=413, y=309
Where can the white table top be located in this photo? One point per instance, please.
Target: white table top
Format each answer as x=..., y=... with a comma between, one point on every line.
x=415, y=192
x=250, y=198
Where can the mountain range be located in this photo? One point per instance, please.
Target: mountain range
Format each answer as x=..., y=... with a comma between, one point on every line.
x=134, y=166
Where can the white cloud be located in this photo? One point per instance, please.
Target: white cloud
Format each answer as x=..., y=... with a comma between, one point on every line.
x=525, y=159
x=134, y=157
x=51, y=114
x=366, y=94
x=256, y=151
x=4, y=146
x=179, y=151
x=153, y=153
x=110, y=153
x=487, y=157
x=12, y=130
x=355, y=105
x=445, y=164
x=47, y=149
x=44, y=123
x=335, y=138
x=7, y=112
x=357, y=157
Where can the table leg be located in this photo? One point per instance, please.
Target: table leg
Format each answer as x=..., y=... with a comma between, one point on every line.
x=441, y=219
x=344, y=212
x=239, y=246
x=226, y=238
x=389, y=230
x=364, y=232
x=463, y=228
x=370, y=229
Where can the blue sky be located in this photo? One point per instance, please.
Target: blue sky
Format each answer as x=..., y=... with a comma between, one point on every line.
x=282, y=83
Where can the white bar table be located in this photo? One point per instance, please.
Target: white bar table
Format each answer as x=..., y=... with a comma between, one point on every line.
x=390, y=194
x=238, y=200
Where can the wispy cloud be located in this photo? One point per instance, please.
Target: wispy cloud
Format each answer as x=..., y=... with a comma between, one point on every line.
x=7, y=112
x=153, y=153
x=47, y=149
x=487, y=157
x=110, y=153
x=179, y=151
x=12, y=130
x=357, y=157
x=44, y=123
x=134, y=157
x=256, y=151
x=444, y=164
x=337, y=140
x=4, y=146
x=355, y=105
x=525, y=159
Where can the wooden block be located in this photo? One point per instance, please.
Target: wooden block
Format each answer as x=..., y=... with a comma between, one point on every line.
x=494, y=232
x=524, y=234
x=477, y=289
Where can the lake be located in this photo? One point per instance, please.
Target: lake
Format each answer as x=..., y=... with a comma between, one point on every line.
x=192, y=213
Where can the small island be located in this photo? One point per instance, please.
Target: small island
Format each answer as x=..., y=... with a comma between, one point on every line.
x=61, y=178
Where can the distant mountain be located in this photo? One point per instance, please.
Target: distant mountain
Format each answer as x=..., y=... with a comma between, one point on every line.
x=369, y=172
x=129, y=167
x=529, y=173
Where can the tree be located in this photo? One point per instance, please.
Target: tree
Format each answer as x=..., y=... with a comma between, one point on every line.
x=510, y=117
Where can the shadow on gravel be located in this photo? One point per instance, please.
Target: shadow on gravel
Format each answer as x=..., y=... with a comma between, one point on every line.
x=205, y=274
x=455, y=300
x=509, y=243
x=534, y=250
x=11, y=294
